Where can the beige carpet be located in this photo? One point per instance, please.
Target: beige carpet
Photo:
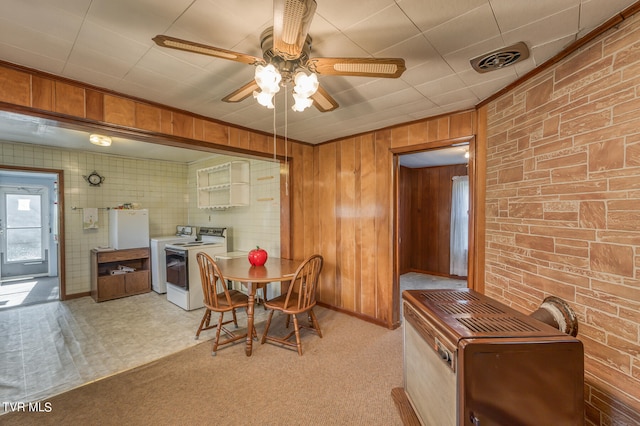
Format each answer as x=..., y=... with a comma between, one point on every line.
x=345, y=378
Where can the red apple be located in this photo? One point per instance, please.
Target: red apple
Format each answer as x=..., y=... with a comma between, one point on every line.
x=257, y=256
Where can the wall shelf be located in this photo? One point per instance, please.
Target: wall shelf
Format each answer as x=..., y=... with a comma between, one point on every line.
x=224, y=186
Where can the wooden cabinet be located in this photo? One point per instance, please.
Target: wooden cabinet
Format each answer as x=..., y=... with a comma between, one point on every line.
x=223, y=186
x=107, y=284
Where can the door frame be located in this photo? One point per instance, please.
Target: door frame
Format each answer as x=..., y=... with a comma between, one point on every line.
x=397, y=152
x=60, y=217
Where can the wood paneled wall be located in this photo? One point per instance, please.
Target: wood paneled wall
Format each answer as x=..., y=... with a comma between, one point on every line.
x=341, y=193
x=354, y=209
x=426, y=218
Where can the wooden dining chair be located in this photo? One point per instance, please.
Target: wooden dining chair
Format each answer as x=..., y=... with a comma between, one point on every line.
x=218, y=298
x=299, y=298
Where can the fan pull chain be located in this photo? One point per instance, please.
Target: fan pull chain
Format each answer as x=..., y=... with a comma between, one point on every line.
x=286, y=134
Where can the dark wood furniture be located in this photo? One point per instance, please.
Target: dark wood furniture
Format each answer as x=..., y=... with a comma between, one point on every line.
x=107, y=285
x=239, y=269
x=218, y=298
x=300, y=298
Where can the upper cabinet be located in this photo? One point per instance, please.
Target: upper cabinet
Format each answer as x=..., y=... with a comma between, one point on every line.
x=223, y=186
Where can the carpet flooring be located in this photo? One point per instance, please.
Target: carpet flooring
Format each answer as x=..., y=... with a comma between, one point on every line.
x=344, y=378
x=47, y=349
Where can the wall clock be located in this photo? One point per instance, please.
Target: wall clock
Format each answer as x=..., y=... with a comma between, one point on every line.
x=94, y=178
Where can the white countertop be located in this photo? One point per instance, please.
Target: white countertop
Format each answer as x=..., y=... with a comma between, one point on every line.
x=231, y=254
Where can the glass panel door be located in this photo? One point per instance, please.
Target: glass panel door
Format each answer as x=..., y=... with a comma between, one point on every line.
x=24, y=227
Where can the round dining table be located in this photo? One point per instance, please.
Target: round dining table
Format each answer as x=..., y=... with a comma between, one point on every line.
x=239, y=269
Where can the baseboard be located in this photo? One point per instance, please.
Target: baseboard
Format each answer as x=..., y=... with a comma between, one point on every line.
x=437, y=274
x=76, y=295
x=407, y=414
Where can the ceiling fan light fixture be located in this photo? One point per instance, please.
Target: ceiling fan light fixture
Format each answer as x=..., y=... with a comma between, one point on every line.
x=306, y=85
x=268, y=78
x=291, y=31
x=100, y=140
x=264, y=99
x=301, y=102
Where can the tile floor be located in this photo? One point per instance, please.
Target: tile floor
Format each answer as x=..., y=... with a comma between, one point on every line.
x=49, y=348
x=417, y=281
x=28, y=291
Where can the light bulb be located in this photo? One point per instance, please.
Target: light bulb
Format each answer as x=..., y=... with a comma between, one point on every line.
x=100, y=140
x=268, y=78
x=306, y=85
x=301, y=102
x=264, y=98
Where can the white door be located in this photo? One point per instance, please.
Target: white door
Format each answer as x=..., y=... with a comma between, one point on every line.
x=24, y=231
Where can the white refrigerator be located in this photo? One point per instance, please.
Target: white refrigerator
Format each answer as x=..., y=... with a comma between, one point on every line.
x=128, y=228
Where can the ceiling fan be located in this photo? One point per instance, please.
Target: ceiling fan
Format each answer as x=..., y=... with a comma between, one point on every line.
x=286, y=47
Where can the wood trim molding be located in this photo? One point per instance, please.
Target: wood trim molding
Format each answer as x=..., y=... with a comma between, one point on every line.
x=478, y=236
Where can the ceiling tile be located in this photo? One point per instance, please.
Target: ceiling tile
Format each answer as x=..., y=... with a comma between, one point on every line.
x=415, y=51
x=108, y=43
x=428, y=14
x=138, y=20
x=30, y=59
x=553, y=27
x=344, y=14
x=382, y=30
x=479, y=24
x=217, y=24
x=427, y=71
x=38, y=43
x=513, y=14
x=595, y=12
x=52, y=20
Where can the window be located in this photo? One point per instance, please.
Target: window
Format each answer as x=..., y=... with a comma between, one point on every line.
x=24, y=233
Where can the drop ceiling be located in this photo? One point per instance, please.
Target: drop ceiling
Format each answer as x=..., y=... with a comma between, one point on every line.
x=107, y=43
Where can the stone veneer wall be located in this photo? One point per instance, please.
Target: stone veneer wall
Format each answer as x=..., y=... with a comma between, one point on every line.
x=563, y=208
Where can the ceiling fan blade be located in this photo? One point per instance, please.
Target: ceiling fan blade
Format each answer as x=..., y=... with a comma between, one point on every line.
x=361, y=67
x=203, y=49
x=323, y=101
x=291, y=22
x=242, y=93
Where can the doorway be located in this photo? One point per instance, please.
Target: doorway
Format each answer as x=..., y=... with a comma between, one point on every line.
x=432, y=225
x=29, y=238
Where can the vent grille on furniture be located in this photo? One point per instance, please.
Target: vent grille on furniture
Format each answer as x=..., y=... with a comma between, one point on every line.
x=496, y=325
x=448, y=296
x=469, y=308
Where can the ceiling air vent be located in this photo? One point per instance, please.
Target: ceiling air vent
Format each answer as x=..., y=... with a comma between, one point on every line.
x=500, y=58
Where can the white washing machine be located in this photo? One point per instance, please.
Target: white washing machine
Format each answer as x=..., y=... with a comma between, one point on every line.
x=184, y=233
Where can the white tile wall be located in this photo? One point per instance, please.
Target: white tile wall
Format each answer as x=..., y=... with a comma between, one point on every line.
x=255, y=225
x=155, y=185
x=166, y=188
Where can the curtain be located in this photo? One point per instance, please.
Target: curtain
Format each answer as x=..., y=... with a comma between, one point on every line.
x=459, y=244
